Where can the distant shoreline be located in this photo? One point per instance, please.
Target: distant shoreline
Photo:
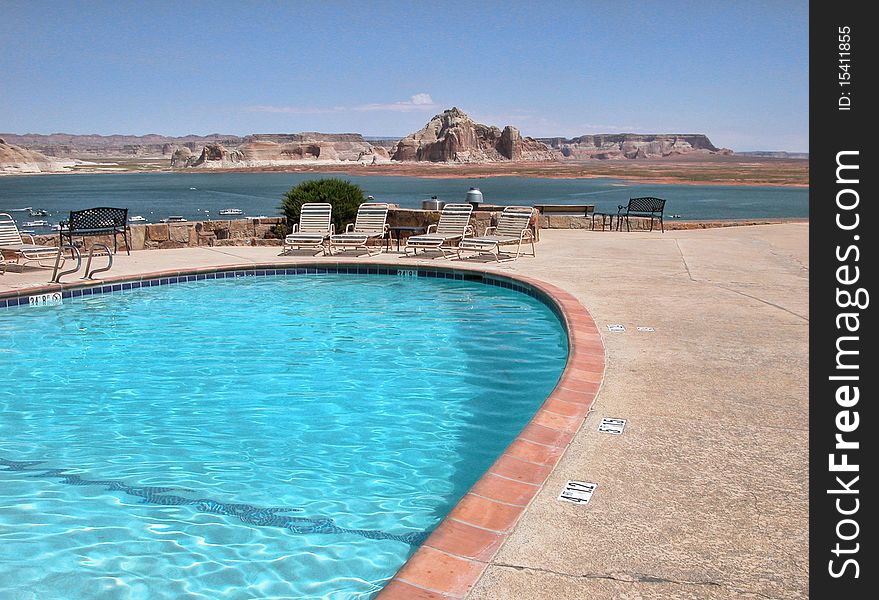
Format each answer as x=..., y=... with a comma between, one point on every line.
x=729, y=171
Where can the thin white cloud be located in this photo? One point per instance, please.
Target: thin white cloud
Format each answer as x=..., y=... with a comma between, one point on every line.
x=418, y=102
x=415, y=103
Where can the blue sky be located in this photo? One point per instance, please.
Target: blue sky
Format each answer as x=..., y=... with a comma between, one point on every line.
x=736, y=71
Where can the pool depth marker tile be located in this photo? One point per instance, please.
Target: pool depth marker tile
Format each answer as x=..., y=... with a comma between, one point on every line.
x=578, y=492
x=611, y=425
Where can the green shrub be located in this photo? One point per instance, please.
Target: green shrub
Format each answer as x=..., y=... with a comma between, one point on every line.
x=278, y=232
x=343, y=195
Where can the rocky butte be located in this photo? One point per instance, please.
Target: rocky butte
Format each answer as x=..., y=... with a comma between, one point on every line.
x=633, y=145
x=15, y=159
x=452, y=136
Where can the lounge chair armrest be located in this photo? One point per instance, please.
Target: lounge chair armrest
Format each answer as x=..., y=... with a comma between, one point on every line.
x=489, y=230
x=332, y=229
x=349, y=227
x=24, y=235
x=527, y=234
x=431, y=228
x=295, y=228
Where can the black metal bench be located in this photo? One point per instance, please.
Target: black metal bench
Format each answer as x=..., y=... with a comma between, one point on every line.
x=574, y=210
x=647, y=207
x=103, y=220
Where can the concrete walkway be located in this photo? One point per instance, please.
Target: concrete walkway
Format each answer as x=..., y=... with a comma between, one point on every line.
x=705, y=494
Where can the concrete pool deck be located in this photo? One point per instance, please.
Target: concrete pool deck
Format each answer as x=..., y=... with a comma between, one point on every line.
x=705, y=495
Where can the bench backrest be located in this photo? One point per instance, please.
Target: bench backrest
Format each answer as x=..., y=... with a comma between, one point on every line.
x=9, y=233
x=315, y=217
x=513, y=221
x=371, y=217
x=102, y=217
x=646, y=205
x=454, y=219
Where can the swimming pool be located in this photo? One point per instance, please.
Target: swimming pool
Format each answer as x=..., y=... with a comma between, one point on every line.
x=255, y=437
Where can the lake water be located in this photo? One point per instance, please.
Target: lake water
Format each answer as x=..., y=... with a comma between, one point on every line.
x=201, y=195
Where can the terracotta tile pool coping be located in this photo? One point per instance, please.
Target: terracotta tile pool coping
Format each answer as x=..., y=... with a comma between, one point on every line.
x=456, y=554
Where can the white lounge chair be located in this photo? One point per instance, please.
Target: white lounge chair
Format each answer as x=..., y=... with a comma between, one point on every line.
x=454, y=224
x=371, y=223
x=513, y=227
x=314, y=228
x=12, y=244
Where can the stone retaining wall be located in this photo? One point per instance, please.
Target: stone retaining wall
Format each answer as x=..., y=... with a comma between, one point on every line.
x=266, y=231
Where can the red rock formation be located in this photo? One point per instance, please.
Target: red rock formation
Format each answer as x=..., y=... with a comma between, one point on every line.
x=452, y=136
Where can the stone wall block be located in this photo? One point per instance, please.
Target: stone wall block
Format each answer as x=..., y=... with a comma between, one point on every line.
x=138, y=237
x=157, y=232
x=179, y=233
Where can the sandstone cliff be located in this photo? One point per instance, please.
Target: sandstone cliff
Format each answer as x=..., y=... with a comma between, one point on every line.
x=282, y=149
x=452, y=136
x=17, y=160
x=64, y=145
x=633, y=145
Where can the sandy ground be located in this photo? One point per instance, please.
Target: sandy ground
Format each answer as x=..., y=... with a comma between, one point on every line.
x=705, y=493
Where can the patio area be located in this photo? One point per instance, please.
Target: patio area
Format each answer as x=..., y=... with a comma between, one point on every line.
x=705, y=494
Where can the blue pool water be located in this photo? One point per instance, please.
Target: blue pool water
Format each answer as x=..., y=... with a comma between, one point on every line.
x=259, y=437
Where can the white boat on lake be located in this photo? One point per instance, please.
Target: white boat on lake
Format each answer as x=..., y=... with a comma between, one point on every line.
x=231, y=211
x=174, y=219
x=37, y=223
x=136, y=219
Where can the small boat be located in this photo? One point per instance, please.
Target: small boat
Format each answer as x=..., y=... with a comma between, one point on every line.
x=37, y=223
x=231, y=211
x=174, y=219
x=38, y=212
x=136, y=219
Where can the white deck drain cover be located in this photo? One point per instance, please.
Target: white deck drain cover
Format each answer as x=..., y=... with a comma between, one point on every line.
x=578, y=492
x=614, y=426
x=650, y=329
x=616, y=327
